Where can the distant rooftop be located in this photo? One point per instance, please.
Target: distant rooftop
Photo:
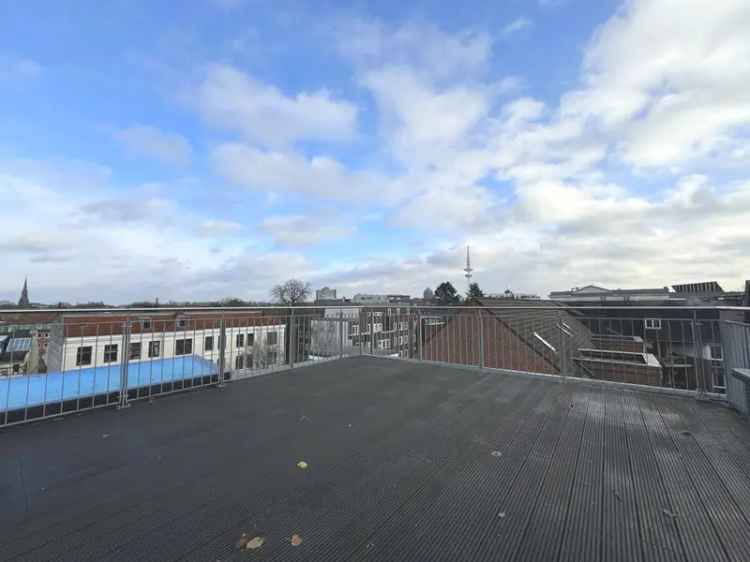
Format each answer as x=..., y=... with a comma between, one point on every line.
x=682, y=294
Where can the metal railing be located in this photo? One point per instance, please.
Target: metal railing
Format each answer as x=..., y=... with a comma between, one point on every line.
x=86, y=359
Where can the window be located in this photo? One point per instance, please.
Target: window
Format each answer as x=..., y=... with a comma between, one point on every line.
x=271, y=357
x=110, y=353
x=545, y=342
x=146, y=324
x=134, y=352
x=272, y=338
x=716, y=352
x=354, y=330
x=83, y=355
x=240, y=340
x=208, y=343
x=154, y=348
x=653, y=323
x=239, y=362
x=183, y=347
x=250, y=339
x=181, y=323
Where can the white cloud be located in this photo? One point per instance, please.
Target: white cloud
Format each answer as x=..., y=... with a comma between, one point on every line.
x=97, y=241
x=14, y=69
x=517, y=25
x=166, y=147
x=425, y=47
x=218, y=228
x=420, y=120
x=263, y=114
x=305, y=230
x=292, y=173
x=666, y=80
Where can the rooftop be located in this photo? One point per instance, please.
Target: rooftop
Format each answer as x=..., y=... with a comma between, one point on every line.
x=405, y=461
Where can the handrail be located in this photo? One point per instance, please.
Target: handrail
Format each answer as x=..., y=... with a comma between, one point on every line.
x=125, y=310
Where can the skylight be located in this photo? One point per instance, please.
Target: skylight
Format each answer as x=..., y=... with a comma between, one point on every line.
x=545, y=342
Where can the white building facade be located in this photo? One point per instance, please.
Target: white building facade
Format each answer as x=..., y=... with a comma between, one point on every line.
x=260, y=345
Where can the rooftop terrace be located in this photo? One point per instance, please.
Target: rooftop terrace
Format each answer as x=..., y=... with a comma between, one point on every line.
x=406, y=461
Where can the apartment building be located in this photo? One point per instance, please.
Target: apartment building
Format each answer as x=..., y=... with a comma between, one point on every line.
x=252, y=340
x=381, y=329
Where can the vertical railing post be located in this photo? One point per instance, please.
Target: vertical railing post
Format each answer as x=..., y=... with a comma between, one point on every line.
x=341, y=333
x=700, y=382
x=222, y=350
x=563, y=347
x=360, y=326
x=481, y=338
x=124, y=364
x=412, y=338
x=292, y=339
x=372, y=333
x=420, y=338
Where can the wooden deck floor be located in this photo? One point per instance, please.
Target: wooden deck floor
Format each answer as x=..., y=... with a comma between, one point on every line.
x=405, y=462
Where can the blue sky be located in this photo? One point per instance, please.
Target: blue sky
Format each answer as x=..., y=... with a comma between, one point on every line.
x=213, y=148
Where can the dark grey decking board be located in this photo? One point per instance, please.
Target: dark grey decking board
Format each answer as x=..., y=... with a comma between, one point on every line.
x=659, y=534
x=401, y=469
x=697, y=532
x=582, y=539
x=620, y=518
x=723, y=508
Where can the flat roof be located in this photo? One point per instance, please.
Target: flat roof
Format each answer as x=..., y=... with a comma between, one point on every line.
x=18, y=345
x=404, y=461
x=25, y=391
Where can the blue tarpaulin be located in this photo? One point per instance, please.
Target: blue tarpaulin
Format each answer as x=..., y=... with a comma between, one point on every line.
x=23, y=391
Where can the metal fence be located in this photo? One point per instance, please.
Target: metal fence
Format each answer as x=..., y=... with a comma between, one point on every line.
x=80, y=360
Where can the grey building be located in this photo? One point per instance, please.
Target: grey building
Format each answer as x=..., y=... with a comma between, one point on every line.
x=325, y=294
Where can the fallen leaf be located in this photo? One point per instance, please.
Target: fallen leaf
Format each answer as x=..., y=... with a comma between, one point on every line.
x=296, y=540
x=669, y=513
x=501, y=515
x=302, y=465
x=105, y=435
x=255, y=542
x=496, y=454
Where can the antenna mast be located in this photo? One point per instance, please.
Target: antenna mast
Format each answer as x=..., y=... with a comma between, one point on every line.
x=468, y=268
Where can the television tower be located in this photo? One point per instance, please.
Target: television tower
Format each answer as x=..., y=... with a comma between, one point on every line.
x=468, y=268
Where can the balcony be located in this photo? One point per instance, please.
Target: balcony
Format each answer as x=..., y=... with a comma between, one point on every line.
x=444, y=448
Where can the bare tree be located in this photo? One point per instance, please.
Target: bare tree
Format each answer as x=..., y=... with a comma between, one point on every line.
x=291, y=292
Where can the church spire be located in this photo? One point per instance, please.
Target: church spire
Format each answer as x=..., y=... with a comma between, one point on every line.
x=24, y=300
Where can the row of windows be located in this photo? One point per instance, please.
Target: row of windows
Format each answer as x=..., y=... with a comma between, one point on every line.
x=84, y=353
x=180, y=323
x=246, y=361
x=242, y=340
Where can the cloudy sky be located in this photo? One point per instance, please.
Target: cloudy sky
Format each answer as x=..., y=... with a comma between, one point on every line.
x=205, y=149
